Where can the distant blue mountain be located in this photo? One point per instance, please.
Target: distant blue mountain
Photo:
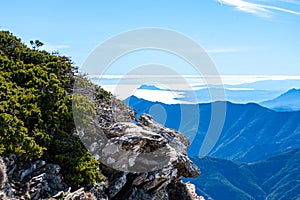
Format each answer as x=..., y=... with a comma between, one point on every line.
x=289, y=101
x=255, y=92
x=280, y=85
x=237, y=96
x=233, y=93
x=273, y=179
x=151, y=87
x=250, y=133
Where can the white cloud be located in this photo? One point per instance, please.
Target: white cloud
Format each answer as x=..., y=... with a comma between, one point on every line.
x=281, y=9
x=257, y=9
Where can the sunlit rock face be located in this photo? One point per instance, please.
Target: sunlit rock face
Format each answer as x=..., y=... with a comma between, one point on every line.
x=140, y=158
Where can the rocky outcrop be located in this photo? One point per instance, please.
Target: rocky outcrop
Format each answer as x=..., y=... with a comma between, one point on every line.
x=39, y=180
x=140, y=159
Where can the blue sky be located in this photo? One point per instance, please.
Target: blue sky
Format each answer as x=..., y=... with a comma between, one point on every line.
x=259, y=37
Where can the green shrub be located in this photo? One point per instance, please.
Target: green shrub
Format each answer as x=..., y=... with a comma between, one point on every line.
x=36, y=118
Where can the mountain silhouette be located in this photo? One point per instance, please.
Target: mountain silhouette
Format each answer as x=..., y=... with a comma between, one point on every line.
x=289, y=101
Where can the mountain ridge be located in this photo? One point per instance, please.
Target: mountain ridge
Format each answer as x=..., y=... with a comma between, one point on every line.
x=288, y=101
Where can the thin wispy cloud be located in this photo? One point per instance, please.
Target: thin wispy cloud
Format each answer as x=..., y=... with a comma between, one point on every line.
x=258, y=9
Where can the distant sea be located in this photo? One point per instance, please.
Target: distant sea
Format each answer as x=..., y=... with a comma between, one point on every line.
x=196, y=89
